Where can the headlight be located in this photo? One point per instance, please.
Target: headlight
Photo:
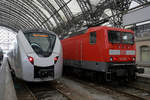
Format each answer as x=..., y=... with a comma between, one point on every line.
x=133, y=58
x=111, y=59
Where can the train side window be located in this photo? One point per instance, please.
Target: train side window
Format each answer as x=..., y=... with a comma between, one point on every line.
x=92, y=37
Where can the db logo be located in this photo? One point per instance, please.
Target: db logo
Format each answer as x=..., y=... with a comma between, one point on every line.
x=122, y=52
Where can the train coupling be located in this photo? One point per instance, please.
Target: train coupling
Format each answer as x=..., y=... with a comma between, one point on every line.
x=140, y=70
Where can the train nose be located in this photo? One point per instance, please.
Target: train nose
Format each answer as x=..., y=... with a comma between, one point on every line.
x=43, y=74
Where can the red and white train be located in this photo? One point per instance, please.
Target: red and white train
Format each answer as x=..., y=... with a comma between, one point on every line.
x=105, y=51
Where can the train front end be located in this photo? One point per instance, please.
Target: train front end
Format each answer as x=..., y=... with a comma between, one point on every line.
x=40, y=56
x=121, y=56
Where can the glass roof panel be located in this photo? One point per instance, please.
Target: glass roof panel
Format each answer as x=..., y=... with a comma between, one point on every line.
x=74, y=7
x=7, y=37
x=48, y=14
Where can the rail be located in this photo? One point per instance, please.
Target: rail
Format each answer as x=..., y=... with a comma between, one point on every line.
x=115, y=90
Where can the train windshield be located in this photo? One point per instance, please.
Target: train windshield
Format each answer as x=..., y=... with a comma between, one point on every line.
x=42, y=43
x=120, y=37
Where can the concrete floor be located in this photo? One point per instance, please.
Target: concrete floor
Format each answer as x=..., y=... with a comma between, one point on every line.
x=88, y=93
x=146, y=72
x=7, y=91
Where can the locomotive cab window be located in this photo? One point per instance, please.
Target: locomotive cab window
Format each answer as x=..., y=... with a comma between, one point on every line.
x=120, y=37
x=41, y=43
x=92, y=37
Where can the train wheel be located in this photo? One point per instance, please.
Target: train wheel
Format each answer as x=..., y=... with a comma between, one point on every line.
x=90, y=76
x=100, y=77
x=132, y=77
x=93, y=77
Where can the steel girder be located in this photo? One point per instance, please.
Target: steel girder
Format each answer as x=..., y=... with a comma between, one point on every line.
x=11, y=16
x=61, y=25
x=27, y=14
x=65, y=9
x=9, y=25
x=141, y=1
x=67, y=12
x=57, y=17
x=32, y=15
x=17, y=11
x=12, y=20
x=92, y=16
x=34, y=12
x=115, y=6
x=39, y=15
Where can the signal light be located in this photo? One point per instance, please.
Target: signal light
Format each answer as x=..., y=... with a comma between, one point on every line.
x=113, y=58
x=31, y=60
x=55, y=59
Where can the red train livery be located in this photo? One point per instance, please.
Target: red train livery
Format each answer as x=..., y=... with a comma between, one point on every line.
x=108, y=50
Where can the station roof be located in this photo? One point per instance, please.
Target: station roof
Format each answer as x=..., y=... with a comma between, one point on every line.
x=61, y=16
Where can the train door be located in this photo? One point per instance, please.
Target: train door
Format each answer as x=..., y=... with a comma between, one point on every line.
x=79, y=52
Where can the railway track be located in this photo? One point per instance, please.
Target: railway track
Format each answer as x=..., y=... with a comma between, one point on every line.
x=132, y=92
x=22, y=91
x=55, y=90
x=145, y=80
x=30, y=92
x=39, y=91
x=141, y=86
x=46, y=91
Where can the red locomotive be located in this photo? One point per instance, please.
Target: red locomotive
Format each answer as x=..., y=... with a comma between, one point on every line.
x=106, y=51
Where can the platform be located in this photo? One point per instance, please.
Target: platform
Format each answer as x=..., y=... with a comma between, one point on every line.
x=146, y=76
x=7, y=91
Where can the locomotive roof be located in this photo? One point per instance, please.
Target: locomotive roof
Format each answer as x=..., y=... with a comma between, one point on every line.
x=109, y=28
x=97, y=28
